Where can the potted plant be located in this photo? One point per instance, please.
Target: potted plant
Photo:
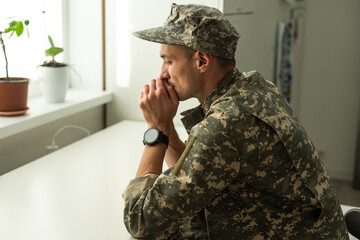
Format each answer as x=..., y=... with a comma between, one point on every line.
x=13, y=90
x=54, y=76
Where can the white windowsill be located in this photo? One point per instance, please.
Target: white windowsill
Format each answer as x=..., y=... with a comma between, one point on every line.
x=40, y=113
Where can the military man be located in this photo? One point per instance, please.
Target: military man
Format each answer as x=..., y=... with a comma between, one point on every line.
x=248, y=169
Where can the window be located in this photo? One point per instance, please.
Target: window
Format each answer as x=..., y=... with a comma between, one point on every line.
x=26, y=53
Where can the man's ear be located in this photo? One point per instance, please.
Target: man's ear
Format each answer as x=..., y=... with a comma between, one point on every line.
x=203, y=61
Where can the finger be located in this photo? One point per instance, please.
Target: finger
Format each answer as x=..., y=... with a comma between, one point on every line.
x=143, y=96
x=172, y=93
x=152, y=86
x=162, y=91
x=160, y=84
x=146, y=90
x=141, y=100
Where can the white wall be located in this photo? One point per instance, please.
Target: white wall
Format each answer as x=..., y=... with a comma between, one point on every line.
x=330, y=86
x=83, y=43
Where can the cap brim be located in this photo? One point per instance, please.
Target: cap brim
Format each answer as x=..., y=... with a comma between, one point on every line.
x=158, y=35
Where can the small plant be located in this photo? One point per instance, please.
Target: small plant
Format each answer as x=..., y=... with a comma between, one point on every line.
x=52, y=52
x=13, y=27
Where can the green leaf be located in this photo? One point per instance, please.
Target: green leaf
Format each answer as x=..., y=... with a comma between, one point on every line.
x=51, y=41
x=13, y=24
x=9, y=30
x=53, y=51
x=19, y=28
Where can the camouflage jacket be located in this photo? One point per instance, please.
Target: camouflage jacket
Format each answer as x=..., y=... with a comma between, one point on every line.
x=249, y=171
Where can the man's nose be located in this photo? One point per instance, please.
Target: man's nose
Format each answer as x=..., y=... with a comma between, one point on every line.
x=164, y=73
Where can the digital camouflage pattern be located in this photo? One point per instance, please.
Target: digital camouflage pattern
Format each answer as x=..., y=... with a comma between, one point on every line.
x=198, y=27
x=249, y=171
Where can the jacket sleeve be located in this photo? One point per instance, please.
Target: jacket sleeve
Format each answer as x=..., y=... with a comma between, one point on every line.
x=208, y=165
x=137, y=185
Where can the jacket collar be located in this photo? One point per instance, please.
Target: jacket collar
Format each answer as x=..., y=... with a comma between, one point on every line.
x=223, y=86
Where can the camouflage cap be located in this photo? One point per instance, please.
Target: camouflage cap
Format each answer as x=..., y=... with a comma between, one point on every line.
x=198, y=27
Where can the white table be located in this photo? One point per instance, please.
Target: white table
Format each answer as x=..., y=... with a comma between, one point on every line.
x=75, y=192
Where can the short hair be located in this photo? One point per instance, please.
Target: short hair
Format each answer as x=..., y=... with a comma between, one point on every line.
x=223, y=62
x=188, y=52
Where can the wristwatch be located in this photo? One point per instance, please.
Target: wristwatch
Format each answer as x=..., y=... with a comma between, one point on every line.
x=153, y=136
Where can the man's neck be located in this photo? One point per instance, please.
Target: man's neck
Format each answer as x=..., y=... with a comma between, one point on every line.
x=212, y=79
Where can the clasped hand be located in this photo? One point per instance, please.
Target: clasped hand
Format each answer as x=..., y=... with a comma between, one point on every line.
x=159, y=102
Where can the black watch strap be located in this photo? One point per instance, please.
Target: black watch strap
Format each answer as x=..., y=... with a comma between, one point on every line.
x=163, y=139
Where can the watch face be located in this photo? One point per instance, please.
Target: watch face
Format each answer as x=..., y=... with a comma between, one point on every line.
x=151, y=135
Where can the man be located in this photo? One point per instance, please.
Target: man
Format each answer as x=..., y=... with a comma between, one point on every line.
x=248, y=169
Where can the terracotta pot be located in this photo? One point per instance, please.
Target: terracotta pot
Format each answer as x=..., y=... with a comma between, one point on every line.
x=13, y=96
